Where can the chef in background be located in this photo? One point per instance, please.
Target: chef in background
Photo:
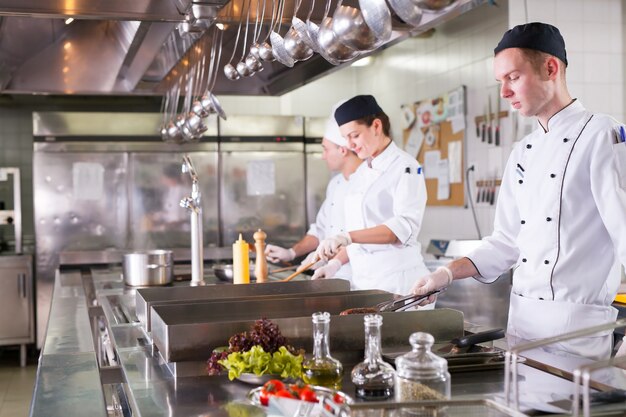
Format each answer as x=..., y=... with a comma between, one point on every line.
x=330, y=217
x=384, y=206
x=561, y=214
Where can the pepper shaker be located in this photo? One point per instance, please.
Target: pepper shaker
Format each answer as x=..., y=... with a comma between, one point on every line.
x=260, y=267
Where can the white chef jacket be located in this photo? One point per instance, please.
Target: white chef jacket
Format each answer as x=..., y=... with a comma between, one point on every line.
x=561, y=222
x=330, y=217
x=391, y=191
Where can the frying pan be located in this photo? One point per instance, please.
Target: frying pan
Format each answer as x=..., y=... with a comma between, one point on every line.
x=224, y=272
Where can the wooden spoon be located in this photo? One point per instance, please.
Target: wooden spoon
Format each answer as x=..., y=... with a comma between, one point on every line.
x=299, y=271
x=287, y=268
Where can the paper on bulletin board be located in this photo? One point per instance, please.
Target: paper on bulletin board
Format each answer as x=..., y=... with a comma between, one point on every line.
x=415, y=141
x=454, y=162
x=261, y=177
x=431, y=164
x=457, y=123
x=87, y=181
x=443, y=180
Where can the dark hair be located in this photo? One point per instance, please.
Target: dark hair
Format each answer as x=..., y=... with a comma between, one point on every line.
x=384, y=119
x=537, y=58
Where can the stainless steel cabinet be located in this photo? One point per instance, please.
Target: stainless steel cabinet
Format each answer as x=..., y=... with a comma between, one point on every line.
x=16, y=302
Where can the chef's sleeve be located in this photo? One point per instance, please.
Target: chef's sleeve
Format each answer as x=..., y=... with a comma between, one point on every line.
x=409, y=202
x=322, y=219
x=608, y=187
x=499, y=252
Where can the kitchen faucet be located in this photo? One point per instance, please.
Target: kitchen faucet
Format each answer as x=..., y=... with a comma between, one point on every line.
x=194, y=205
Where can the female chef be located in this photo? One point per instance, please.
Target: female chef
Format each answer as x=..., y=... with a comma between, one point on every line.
x=561, y=214
x=384, y=206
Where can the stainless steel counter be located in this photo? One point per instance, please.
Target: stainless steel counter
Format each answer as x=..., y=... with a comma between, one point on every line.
x=71, y=369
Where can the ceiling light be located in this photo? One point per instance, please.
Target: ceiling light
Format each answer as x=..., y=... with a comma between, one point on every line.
x=220, y=26
x=69, y=20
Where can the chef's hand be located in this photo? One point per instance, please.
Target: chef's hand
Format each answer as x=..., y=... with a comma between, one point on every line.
x=312, y=257
x=327, y=271
x=277, y=254
x=441, y=278
x=330, y=247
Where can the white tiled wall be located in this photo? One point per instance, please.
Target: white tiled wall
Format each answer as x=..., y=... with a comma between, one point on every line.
x=594, y=39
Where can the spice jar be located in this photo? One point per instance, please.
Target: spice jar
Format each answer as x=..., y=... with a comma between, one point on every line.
x=422, y=375
x=322, y=369
x=373, y=378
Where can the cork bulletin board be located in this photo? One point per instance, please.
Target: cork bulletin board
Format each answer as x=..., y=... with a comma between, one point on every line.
x=434, y=132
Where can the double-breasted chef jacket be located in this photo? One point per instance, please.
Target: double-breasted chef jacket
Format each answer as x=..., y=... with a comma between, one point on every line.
x=330, y=219
x=388, y=189
x=561, y=223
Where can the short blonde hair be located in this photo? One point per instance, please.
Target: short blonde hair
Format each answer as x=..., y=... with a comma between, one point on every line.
x=537, y=58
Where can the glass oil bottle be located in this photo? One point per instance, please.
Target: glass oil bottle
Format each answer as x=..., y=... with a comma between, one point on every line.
x=322, y=369
x=373, y=378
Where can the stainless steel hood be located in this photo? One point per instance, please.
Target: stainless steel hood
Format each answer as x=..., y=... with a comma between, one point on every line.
x=117, y=47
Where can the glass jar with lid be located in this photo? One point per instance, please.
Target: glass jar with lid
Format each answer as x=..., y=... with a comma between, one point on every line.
x=422, y=375
x=373, y=378
x=322, y=369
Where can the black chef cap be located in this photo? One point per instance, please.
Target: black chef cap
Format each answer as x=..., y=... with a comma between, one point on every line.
x=538, y=36
x=357, y=108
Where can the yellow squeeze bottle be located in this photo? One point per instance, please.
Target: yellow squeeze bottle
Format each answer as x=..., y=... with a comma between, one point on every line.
x=241, y=262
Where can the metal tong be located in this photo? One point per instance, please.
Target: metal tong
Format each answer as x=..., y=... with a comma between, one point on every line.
x=401, y=304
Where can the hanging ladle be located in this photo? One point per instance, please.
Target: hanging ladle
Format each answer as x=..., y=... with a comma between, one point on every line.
x=242, y=68
x=209, y=100
x=363, y=29
x=407, y=10
x=329, y=42
x=294, y=43
x=265, y=49
x=278, y=47
x=229, y=69
x=301, y=28
x=253, y=61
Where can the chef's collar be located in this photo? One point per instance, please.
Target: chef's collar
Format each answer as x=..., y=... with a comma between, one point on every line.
x=561, y=118
x=382, y=161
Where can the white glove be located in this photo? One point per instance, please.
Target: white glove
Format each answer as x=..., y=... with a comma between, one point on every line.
x=311, y=257
x=327, y=271
x=441, y=278
x=277, y=254
x=329, y=247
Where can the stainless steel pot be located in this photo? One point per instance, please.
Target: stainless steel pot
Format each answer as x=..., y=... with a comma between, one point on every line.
x=153, y=267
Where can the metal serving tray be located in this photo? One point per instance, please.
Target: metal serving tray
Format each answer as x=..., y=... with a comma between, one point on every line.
x=190, y=332
x=148, y=297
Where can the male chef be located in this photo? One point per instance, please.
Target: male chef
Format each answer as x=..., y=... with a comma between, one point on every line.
x=330, y=219
x=561, y=214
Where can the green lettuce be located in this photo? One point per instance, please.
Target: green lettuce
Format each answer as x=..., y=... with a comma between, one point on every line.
x=257, y=361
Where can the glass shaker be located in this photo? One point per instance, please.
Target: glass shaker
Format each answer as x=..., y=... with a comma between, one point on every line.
x=322, y=369
x=422, y=375
x=373, y=378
